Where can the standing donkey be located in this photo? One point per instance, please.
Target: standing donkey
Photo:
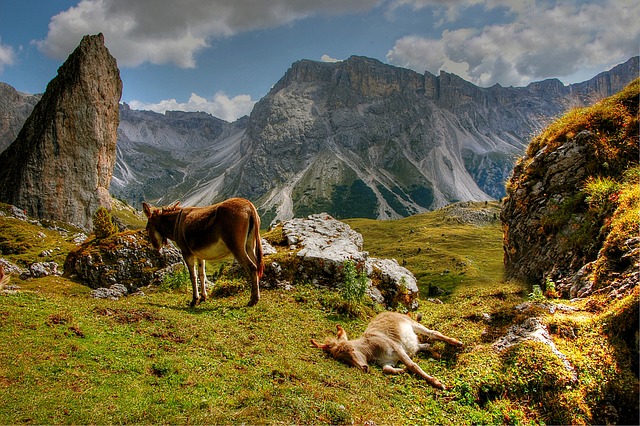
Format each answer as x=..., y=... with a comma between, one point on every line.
x=390, y=338
x=210, y=233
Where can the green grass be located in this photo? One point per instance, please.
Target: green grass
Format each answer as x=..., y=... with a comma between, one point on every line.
x=440, y=249
x=66, y=358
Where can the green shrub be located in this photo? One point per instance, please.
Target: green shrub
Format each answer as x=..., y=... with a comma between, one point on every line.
x=354, y=286
x=176, y=280
x=537, y=295
x=352, y=300
x=103, y=225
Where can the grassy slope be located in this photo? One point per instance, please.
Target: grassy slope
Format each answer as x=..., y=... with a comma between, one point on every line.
x=68, y=358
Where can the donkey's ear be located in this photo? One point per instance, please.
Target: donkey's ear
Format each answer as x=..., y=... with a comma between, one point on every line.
x=148, y=209
x=319, y=345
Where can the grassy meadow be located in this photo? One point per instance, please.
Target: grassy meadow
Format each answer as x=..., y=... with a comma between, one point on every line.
x=66, y=358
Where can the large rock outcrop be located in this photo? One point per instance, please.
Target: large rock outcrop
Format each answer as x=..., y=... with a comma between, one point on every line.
x=61, y=164
x=572, y=210
x=314, y=249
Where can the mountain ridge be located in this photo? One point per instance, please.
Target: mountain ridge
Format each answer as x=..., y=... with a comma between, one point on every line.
x=353, y=138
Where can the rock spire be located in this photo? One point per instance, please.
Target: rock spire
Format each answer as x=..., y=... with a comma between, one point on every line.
x=60, y=165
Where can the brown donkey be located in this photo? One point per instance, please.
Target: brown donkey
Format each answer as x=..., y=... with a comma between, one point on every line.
x=390, y=338
x=210, y=233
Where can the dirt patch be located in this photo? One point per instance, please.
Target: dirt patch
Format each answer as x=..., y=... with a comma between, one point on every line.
x=127, y=316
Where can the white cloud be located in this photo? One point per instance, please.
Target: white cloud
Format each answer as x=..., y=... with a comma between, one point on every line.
x=546, y=39
x=7, y=56
x=170, y=31
x=221, y=106
x=327, y=58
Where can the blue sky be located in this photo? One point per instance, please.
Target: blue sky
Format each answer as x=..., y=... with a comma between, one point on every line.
x=221, y=56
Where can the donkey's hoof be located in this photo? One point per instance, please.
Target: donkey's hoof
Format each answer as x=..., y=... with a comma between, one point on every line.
x=252, y=302
x=193, y=303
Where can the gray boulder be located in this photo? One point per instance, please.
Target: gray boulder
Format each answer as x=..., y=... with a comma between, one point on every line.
x=315, y=250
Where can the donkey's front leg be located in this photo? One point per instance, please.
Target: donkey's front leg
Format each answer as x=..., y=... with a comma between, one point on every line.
x=191, y=266
x=203, y=280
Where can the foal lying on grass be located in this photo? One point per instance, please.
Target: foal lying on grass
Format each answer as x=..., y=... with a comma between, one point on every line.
x=389, y=338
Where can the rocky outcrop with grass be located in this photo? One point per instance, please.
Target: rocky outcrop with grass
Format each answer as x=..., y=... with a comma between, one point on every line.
x=315, y=250
x=125, y=258
x=571, y=214
x=60, y=165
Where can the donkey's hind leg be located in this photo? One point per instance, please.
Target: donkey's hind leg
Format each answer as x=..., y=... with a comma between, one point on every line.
x=252, y=274
x=237, y=245
x=252, y=268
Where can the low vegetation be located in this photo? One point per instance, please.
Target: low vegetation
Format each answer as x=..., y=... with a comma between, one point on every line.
x=613, y=122
x=68, y=358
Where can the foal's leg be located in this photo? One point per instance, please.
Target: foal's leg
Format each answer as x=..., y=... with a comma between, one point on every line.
x=190, y=260
x=415, y=368
x=202, y=278
x=435, y=335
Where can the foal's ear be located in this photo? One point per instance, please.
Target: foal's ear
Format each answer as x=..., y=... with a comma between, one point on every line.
x=148, y=209
x=342, y=335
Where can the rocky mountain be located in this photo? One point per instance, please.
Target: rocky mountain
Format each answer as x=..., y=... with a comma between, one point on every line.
x=61, y=163
x=353, y=138
x=15, y=108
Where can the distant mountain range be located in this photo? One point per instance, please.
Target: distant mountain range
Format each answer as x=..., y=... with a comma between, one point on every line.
x=356, y=138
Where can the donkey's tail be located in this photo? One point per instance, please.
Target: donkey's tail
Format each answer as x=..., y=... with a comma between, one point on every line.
x=258, y=243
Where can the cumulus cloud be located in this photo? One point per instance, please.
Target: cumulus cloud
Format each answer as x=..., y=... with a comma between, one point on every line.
x=7, y=56
x=169, y=31
x=543, y=40
x=221, y=106
x=327, y=58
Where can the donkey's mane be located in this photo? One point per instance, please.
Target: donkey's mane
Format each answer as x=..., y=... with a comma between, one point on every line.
x=171, y=207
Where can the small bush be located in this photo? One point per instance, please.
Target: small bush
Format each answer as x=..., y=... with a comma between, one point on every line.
x=176, y=281
x=352, y=300
x=537, y=295
x=103, y=225
x=354, y=285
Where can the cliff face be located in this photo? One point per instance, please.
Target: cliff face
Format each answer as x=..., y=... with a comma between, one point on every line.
x=60, y=165
x=361, y=138
x=573, y=206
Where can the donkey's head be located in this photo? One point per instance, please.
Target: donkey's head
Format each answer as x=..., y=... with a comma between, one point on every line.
x=344, y=350
x=154, y=224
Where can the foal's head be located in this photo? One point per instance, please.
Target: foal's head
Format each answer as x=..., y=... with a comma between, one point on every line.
x=154, y=218
x=344, y=350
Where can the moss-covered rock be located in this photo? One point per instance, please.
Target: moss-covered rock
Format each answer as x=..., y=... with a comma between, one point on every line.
x=124, y=258
x=573, y=200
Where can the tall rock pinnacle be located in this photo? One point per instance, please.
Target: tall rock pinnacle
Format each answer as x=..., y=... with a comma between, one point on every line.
x=60, y=165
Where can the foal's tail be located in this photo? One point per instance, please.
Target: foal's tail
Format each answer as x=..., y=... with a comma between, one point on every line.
x=257, y=242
